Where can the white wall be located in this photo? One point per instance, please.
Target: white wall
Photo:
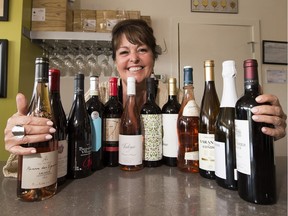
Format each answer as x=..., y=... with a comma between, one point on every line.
x=273, y=26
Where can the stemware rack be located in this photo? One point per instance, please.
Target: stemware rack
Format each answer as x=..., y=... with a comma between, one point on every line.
x=64, y=40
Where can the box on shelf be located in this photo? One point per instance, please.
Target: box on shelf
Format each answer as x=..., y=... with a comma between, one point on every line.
x=147, y=19
x=84, y=20
x=49, y=15
x=107, y=19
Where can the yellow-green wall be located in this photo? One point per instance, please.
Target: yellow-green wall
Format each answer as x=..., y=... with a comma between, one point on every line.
x=21, y=55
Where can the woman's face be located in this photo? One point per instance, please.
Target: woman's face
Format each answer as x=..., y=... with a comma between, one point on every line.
x=134, y=60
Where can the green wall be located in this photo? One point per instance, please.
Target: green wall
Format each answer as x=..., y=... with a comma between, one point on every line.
x=21, y=56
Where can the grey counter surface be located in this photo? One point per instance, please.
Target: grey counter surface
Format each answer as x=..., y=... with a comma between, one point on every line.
x=157, y=191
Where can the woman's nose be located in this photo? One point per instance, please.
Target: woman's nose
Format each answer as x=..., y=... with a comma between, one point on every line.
x=134, y=57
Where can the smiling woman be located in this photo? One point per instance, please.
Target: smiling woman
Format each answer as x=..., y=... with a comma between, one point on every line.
x=3, y=67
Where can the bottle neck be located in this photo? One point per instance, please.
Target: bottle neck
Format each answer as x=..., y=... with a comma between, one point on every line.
x=94, y=86
x=188, y=92
x=229, y=96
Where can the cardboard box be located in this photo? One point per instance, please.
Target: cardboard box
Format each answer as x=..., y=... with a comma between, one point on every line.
x=84, y=20
x=49, y=15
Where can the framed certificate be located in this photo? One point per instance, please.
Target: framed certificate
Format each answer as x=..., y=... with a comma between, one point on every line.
x=274, y=52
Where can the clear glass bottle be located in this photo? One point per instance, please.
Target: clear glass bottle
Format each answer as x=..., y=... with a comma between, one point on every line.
x=170, y=112
x=130, y=135
x=208, y=113
x=60, y=122
x=37, y=173
x=225, y=150
x=254, y=149
x=187, y=127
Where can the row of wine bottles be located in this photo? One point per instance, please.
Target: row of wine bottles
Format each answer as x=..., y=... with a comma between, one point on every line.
x=209, y=140
x=229, y=146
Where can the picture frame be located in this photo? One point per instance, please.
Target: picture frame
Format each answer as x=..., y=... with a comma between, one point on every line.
x=274, y=52
x=3, y=67
x=4, y=10
x=214, y=6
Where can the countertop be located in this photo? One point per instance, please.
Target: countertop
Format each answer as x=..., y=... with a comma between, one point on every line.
x=157, y=191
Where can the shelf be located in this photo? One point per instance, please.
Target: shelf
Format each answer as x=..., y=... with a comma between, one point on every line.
x=74, y=36
x=66, y=40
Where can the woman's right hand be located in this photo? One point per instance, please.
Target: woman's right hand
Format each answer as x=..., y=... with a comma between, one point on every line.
x=36, y=129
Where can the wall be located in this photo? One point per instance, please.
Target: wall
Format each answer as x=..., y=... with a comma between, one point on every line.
x=273, y=18
x=273, y=26
x=20, y=62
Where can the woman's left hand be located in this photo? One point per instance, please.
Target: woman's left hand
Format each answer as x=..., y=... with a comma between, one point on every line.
x=271, y=114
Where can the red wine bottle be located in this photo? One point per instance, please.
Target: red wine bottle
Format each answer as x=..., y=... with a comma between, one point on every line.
x=37, y=173
x=170, y=112
x=152, y=127
x=130, y=135
x=113, y=110
x=79, y=134
x=208, y=112
x=254, y=149
x=95, y=109
x=60, y=122
x=225, y=151
x=187, y=127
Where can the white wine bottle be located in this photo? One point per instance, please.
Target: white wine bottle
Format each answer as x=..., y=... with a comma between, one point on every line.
x=208, y=112
x=225, y=150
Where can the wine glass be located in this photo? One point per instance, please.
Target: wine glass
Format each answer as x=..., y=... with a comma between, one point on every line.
x=55, y=60
x=106, y=66
x=93, y=66
x=80, y=59
x=68, y=60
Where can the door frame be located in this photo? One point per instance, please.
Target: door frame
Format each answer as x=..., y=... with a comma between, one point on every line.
x=252, y=23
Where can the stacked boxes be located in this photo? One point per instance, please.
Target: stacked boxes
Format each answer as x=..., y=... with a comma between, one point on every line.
x=54, y=15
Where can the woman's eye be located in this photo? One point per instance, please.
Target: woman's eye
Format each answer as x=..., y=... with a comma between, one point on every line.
x=142, y=50
x=124, y=52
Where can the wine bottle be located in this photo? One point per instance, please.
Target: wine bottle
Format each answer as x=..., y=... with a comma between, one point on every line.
x=170, y=112
x=95, y=109
x=152, y=127
x=130, y=135
x=37, y=173
x=254, y=149
x=61, y=124
x=208, y=112
x=112, y=116
x=79, y=134
x=225, y=151
x=187, y=127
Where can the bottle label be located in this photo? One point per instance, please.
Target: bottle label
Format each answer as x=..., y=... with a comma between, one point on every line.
x=62, y=158
x=83, y=160
x=191, y=109
x=170, y=137
x=220, y=159
x=206, y=152
x=96, y=128
x=112, y=128
x=153, y=136
x=130, y=150
x=39, y=170
x=191, y=155
x=242, y=146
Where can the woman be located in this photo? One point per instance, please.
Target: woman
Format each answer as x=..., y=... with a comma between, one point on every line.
x=134, y=53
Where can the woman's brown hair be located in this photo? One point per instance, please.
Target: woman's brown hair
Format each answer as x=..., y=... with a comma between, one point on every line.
x=137, y=31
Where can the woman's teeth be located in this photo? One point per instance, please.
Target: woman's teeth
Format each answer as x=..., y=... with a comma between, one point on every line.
x=133, y=69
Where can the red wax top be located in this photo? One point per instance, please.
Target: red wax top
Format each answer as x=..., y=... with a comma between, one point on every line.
x=250, y=69
x=54, y=80
x=113, y=86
